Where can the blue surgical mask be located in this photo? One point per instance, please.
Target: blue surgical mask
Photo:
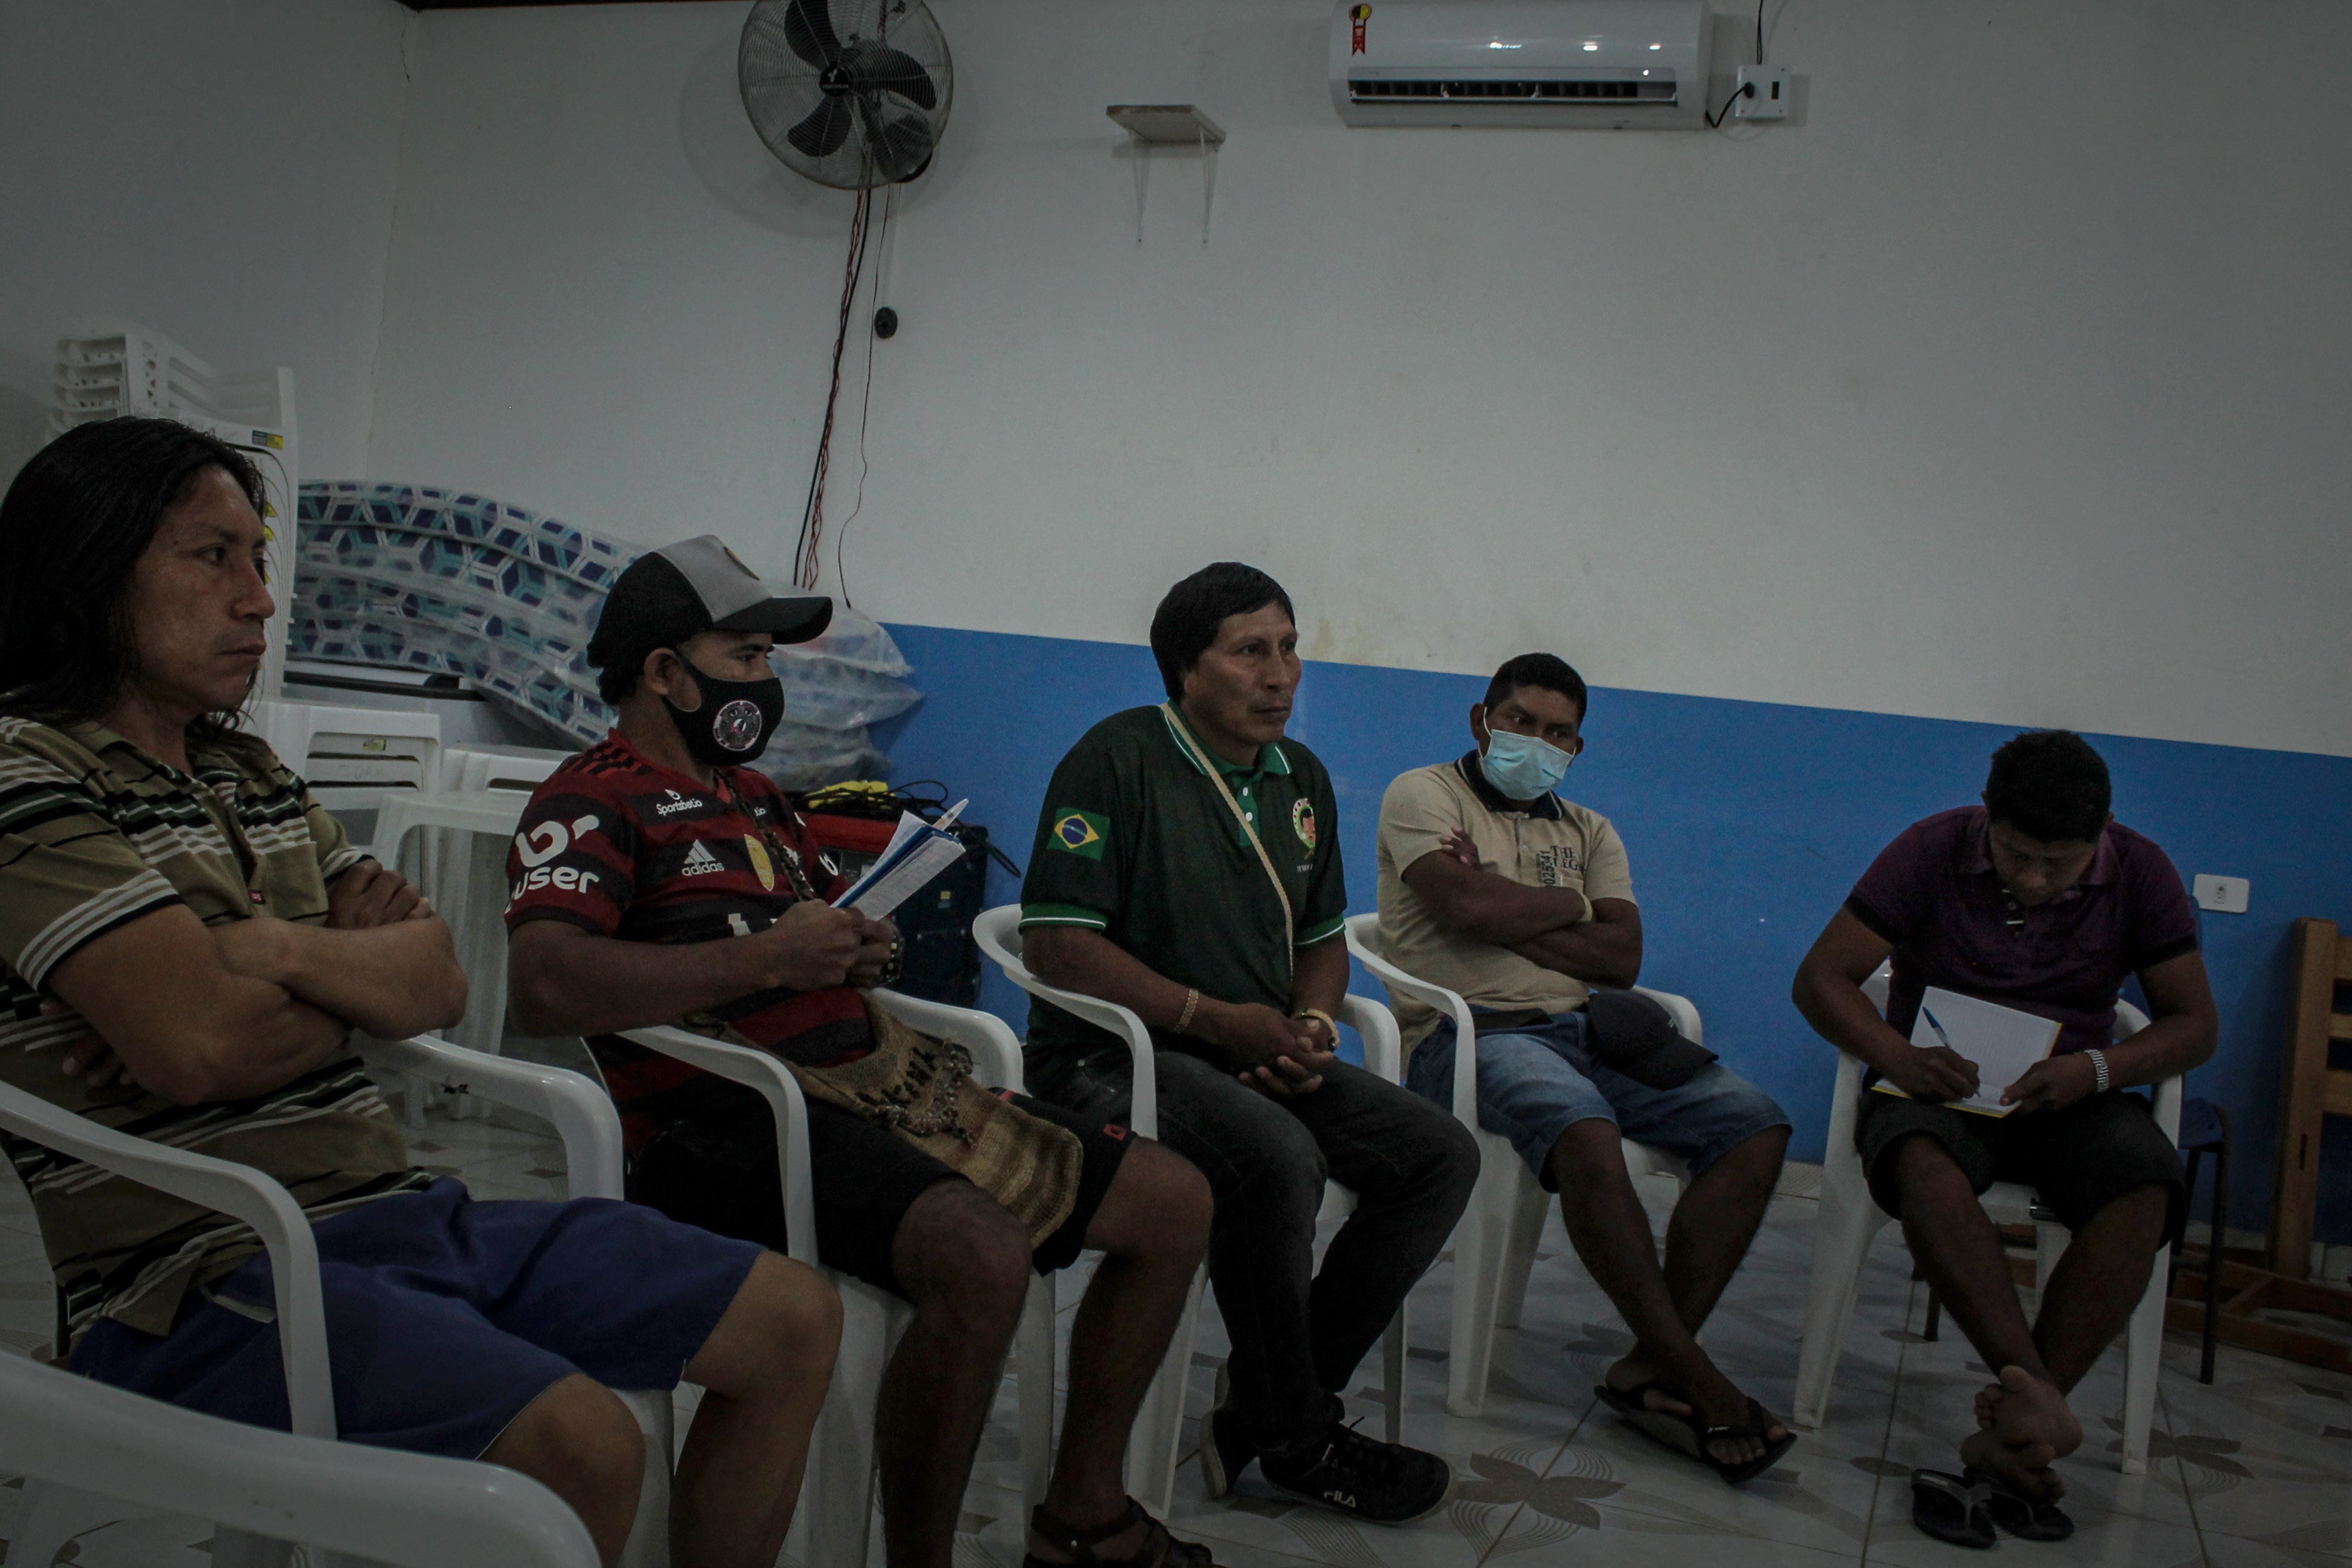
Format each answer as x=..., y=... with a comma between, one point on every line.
x=1522, y=766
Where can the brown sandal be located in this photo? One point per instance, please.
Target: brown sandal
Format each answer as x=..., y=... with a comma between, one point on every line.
x=1160, y=1549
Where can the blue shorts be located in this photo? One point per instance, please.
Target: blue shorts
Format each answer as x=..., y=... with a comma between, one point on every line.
x=1534, y=1083
x=446, y=1317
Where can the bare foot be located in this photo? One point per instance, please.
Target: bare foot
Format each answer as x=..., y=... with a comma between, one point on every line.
x=1715, y=1399
x=2024, y=1427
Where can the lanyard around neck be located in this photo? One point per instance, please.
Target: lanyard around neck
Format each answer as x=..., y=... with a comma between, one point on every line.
x=1199, y=754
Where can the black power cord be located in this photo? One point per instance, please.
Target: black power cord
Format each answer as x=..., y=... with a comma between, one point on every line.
x=1745, y=89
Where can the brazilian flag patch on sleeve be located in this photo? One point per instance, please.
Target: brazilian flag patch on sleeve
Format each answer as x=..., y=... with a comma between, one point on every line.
x=1080, y=832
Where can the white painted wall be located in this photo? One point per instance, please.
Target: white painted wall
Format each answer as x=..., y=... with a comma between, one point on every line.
x=2009, y=384
x=219, y=171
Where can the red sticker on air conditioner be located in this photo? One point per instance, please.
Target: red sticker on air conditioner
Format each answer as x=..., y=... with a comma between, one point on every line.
x=1359, y=15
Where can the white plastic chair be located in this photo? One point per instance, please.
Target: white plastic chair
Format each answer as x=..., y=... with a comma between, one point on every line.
x=1849, y=1219
x=480, y=765
x=466, y=879
x=71, y=1499
x=1152, y=1452
x=835, y=1521
x=353, y=758
x=1495, y=1249
x=359, y=1505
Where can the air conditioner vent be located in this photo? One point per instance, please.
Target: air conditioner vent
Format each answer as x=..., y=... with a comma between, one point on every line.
x=1393, y=90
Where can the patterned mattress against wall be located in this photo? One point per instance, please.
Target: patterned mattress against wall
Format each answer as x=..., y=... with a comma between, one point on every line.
x=415, y=577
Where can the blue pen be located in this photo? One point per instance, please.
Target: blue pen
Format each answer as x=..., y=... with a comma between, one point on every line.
x=1937, y=1027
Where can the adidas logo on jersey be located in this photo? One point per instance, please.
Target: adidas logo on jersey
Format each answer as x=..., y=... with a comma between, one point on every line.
x=700, y=861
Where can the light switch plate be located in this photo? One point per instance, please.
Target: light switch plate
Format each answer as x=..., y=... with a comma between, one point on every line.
x=2221, y=895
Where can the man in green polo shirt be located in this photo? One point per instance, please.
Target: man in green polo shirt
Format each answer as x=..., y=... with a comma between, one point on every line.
x=1187, y=867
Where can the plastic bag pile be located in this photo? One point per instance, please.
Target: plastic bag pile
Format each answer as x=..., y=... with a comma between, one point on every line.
x=411, y=577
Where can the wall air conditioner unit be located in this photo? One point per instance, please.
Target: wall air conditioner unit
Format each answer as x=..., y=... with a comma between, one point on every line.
x=1622, y=65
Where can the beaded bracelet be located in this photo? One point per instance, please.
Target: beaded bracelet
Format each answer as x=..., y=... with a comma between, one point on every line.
x=1192, y=1000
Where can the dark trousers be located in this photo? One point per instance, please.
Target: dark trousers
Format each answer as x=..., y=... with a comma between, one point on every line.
x=1298, y=1334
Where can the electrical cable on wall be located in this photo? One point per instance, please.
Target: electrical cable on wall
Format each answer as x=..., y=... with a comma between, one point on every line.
x=852, y=100
x=865, y=401
x=1745, y=89
x=808, y=552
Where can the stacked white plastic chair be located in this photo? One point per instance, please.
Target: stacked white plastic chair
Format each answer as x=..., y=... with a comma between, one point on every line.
x=98, y=1455
x=1153, y=1450
x=836, y=1519
x=1495, y=1247
x=108, y=367
x=1850, y=1218
x=353, y=758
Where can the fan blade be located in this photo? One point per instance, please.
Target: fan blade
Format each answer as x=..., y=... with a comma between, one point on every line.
x=873, y=67
x=808, y=28
x=899, y=145
x=824, y=130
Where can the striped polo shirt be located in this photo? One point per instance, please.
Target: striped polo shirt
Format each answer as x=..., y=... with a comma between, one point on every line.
x=94, y=834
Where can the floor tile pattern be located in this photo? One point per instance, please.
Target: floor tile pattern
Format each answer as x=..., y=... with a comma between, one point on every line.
x=2254, y=1471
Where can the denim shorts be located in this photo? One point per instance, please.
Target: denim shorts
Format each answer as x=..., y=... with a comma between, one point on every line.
x=1536, y=1083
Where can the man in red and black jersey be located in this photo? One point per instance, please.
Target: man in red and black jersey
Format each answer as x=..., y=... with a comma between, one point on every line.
x=656, y=879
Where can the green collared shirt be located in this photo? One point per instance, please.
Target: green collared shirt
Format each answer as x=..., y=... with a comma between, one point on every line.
x=1136, y=842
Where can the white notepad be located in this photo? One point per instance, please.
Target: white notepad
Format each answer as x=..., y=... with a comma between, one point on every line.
x=916, y=853
x=2002, y=1041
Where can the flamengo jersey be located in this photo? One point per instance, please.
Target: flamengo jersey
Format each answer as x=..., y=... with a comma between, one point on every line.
x=623, y=848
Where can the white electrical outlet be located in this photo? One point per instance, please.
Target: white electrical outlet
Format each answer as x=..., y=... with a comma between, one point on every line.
x=2221, y=895
x=1770, y=98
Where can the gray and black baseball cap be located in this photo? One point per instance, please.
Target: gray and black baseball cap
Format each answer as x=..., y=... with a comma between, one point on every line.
x=695, y=586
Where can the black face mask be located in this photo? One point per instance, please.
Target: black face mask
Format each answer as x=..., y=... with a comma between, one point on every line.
x=735, y=719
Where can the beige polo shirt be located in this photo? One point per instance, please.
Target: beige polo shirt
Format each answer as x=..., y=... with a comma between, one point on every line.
x=1553, y=844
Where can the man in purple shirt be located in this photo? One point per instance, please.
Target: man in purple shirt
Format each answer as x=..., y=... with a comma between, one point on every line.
x=2037, y=900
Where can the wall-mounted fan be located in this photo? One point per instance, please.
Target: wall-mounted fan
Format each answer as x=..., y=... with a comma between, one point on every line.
x=851, y=93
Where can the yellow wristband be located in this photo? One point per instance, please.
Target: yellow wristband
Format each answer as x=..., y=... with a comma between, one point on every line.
x=1321, y=1017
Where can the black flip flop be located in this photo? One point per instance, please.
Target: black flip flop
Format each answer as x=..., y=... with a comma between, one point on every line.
x=2021, y=1515
x=1160, y=1549
x=1759, y=1422
x=1687, y=1436
x=1953, y=1510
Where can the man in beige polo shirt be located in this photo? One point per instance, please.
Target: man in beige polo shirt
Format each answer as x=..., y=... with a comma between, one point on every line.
x=1494, y=887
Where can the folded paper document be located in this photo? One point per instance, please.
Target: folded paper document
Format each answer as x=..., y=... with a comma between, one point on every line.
x=916, y=853
x=2002, y=1041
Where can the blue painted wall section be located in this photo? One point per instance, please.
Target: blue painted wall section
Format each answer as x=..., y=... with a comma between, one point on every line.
x=1747, y=823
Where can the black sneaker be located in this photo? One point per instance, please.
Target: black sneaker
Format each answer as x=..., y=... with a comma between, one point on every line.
x=1383, y=1483
x=1224, y=1452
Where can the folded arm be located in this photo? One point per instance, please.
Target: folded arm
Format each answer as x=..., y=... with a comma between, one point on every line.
x=185, y=1023
x=392, y=980
x=1557, y=927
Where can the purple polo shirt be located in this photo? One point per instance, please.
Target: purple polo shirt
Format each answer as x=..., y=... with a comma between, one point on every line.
x=1933, y=893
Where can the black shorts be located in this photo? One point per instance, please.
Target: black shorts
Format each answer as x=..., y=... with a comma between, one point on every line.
x=2079, y=1160
x=717, y=1169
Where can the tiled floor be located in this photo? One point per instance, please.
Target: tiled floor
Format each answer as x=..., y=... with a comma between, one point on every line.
x=2252, y=1472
